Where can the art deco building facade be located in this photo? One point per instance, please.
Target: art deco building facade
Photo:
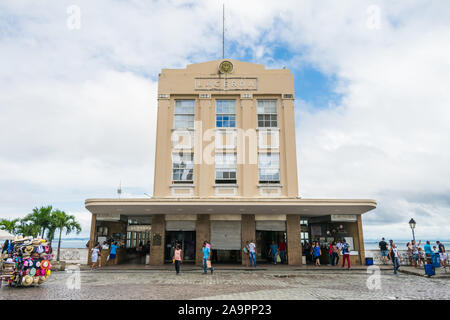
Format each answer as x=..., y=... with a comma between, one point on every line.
x=226, y=172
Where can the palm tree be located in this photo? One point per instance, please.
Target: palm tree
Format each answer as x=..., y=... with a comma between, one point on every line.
x=9, y=225
x=60, y=220
x=40, y=217
x=25, y=228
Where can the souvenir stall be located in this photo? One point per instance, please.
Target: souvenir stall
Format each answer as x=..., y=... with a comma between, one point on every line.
x=25, y=262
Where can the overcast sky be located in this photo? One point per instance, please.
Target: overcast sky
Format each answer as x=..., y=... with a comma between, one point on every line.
x=78, y=105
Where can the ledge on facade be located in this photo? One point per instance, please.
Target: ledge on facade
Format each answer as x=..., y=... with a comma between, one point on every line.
x=278, y=185
x=225, y=185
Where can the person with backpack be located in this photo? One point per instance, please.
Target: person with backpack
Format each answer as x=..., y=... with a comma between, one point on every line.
x=345, y=254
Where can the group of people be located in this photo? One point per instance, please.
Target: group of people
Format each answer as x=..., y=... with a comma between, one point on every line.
x=107, y=249
x=313, y=253
x=277, y=253
x=415, y=254
x=177, y=258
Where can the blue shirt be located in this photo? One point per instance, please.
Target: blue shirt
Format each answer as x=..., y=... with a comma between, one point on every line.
x=274, y=249
x=113, y=249
x=316, y=251
x=345, y=248
x=206, y=251
x=427, y=248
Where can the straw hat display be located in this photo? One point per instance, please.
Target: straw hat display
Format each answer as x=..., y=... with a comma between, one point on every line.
x=25, y=261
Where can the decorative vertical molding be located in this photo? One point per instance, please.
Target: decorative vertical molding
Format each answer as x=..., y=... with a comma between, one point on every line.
x=294, y=244
x=360, y=239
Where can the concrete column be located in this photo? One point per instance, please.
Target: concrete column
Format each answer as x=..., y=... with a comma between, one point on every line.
x=202, y=233
x=294, y=244
x=158, y=240
x=92, y=235
x=362, y=254
x=248, y=233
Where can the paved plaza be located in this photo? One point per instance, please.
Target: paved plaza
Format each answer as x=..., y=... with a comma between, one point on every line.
x=233, y=284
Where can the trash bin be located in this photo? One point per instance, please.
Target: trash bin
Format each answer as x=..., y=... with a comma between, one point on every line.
x=436, y=260
x=369, y=261
x=429, y=269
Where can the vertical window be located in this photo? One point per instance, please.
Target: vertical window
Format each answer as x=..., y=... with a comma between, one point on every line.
x=269, y=167
x=225, y=113
x=304, y=237
x=267, y=114
x=184, y=114
x=225, y=167
x=182, y=168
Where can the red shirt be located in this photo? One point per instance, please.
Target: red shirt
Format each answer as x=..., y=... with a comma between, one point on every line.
x=282, y=246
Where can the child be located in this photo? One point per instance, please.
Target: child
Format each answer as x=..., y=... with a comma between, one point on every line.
x=94, y=256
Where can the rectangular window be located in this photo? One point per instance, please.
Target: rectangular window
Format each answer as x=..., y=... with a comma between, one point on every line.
x=269, y=167
x=225, y=113
x=184, y=114
x=225, y=168
x=182, y=167
x=267, y=114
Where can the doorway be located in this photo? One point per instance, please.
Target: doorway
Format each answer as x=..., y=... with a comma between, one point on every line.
x=186, y=240
x=264, y=240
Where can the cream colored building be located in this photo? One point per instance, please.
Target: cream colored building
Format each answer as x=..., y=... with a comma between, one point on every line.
x=226, y=172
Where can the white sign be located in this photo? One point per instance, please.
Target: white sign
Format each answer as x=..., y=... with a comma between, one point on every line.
x=343, y=218
x=139, y=228
x=229, y=83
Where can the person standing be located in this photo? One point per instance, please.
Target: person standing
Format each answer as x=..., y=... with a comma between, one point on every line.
x=345, y=254
x=428, y=251
x=282, y=249
x=274, y=252
x=307, y=250
x=384, y=250
x=335, y=254
x=178, y=258
x=330, y=254
x=206, y=257
x=415, y=253
x=442, y=255
x=103, y=253
x=246, y=252
x=316, y=254
x=94, y=256
x=395, y=257
x=252, y=253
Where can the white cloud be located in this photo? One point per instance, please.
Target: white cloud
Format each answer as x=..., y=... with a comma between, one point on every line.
x=78, y=107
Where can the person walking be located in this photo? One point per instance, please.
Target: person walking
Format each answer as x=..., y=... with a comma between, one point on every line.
x=177, y=258
x=345, y=254
x=206, y=258
x=442, y=255
x=316, y=254
x=282, y=248
x=273, y=252
x=307, y=250
x=395, y=256
x=103, y=253
x=252, y=253
x=94, y=256
x=113, y=252
x=384, y=250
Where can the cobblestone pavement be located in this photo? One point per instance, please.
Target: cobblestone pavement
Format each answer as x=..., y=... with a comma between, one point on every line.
x=234, y=285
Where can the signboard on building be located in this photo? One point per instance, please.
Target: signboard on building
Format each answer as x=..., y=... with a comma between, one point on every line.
x=343, y=217
x=224, y=84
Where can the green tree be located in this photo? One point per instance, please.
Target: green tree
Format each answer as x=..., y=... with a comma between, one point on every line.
x=9, y=225
x=27, y=228
x=60, y=221
x=40, y=217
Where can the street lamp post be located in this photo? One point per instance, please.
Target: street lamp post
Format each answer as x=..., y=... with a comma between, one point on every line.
x=412, y=224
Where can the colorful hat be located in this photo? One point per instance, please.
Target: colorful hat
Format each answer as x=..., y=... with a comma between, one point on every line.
x=28, y=249
x=27, y=280
x=45, y=264
x=48, y=273
x=32, y=272
x=38, y=264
